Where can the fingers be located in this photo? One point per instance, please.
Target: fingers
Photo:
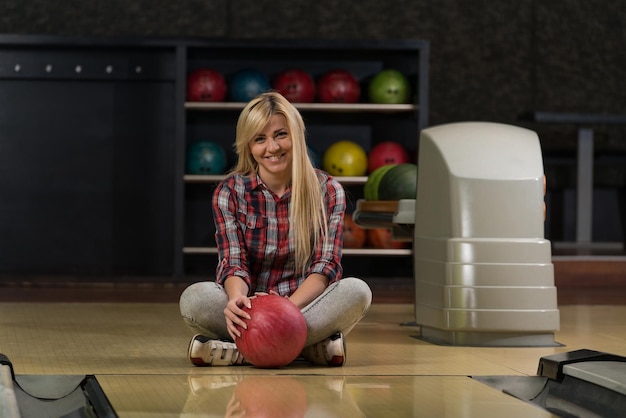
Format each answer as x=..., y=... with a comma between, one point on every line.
x=271, y=292
x=234, y=409
x=232, y=330
x=236, y=316
x=235, y=324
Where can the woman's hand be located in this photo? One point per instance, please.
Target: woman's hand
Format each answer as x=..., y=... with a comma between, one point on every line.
x=237, y=291
x=313, y=286
x=235, y=315
x=272, y=292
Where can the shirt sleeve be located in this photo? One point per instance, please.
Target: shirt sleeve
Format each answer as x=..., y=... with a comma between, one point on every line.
x=232, y=257
x=327, y=257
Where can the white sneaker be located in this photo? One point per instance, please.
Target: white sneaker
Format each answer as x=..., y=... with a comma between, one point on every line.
x=206, y=352
x=201, y=383
x=330, y=352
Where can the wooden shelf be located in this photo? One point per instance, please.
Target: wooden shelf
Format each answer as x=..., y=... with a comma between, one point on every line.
x=196, y=178
x=346, y=251
x=364, y=122
x=199, y=250
x=320, y=107
x=377, y=251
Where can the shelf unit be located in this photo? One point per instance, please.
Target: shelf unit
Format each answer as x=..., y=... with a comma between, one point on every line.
x=321, y=107
x=346, y=181
x=126, y=98
x=363, y=122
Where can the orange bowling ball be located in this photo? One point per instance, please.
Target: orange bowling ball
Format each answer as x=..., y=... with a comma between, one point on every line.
x=382, y=238
x=353, y=235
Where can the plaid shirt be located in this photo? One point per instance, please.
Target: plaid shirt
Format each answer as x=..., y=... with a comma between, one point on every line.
x=252, y=235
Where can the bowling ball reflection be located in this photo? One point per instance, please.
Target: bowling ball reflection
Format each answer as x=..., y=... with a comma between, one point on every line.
x=260, y=397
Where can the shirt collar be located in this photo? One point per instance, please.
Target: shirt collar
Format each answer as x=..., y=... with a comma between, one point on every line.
x=252, y=182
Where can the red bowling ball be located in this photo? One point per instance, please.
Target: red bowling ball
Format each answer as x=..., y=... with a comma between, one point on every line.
x=296, y=85
x=206, y=85
x=276, y=332
x=338, y=86
x=384, y=153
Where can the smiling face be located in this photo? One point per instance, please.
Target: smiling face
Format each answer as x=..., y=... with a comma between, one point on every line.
x=271, y=148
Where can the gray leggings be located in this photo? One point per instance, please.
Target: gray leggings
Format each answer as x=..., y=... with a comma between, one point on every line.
x=342, y=305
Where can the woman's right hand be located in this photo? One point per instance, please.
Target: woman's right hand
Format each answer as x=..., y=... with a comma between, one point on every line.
x=236, y=316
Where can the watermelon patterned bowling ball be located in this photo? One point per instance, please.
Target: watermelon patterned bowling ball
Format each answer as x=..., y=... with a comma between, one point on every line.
x=400, y=182
x=370, y=189
x=206, y=157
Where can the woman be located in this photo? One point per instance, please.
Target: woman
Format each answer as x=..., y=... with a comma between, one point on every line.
x=279, y=224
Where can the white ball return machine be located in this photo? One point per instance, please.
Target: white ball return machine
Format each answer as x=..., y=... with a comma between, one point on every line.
x=483, y=269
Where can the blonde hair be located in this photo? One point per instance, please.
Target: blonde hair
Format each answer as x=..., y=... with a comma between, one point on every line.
x=307, y=215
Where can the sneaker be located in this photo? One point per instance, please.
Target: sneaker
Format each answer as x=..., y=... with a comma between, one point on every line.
x=330, y=352
x=201, y=383
x=206, y=352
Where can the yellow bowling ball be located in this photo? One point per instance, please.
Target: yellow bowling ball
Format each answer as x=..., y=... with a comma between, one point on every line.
x=345, y=158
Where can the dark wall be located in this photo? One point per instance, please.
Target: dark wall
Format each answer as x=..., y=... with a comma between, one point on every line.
x=100, y=213
x=489, y=60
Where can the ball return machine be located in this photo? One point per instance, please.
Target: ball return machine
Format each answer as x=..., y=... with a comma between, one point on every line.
x=483, y=269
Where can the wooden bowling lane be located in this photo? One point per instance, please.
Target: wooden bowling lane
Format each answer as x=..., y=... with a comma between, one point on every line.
x=77, y=338
x=138, y=353
x=242, y=395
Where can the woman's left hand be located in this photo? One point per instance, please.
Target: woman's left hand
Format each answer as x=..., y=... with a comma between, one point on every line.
x=271, y=292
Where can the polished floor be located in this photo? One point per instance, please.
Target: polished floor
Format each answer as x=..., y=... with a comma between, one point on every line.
x=137, y=352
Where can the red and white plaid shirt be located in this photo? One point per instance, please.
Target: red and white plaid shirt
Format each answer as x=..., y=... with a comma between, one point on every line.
x=252, y=235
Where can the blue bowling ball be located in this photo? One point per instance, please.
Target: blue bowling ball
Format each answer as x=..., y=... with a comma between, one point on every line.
x=206, y=157
x=314, y=156
x=246, y=84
